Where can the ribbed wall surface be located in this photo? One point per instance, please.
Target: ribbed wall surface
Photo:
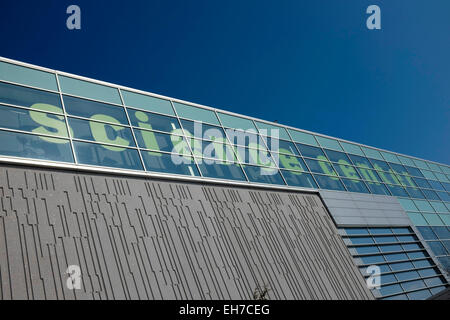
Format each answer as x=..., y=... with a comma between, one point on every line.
x=147, y=239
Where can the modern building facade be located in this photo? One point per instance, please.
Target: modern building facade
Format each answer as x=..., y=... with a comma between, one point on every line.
x=152, y=197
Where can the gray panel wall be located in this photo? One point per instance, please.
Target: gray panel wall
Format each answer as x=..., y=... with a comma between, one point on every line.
x=147, y=239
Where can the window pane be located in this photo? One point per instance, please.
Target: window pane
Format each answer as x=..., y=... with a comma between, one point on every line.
x=415, y=193
x=411, y=246
x=385, y=239
x=422, y=183
x=378, y=188
x=437, y=248
x=195, y=113
x=235, y=122
x=417, y=219
x=95, y=110
x=169, y=163
x=427, y=233
x=369, y=174
x=390, y=157
x=391, y=248
x=203, y=131
x=422, y=263
x=433, y=166
x=411, y=285
x=330, y=183
x=360, y=161
x=27, y=97
x=215, y=150
x=372, y=259
x=367, y=250
x=346, y=171
x=406, y=161
x=380, y=165
x=320, y=167
x=428, y=272
x=272, y=130
x=397, y=191
x=428, y=174
x=355, y=186
x=248, y=139
x=395, y=257
x=292, y=163
x=401, y=230
x=361, y=240
x=311, y=152
x=101, y=132
x=162, y=142
x=420, y=164
x=444, y=196
x=36, y=147
x=433, y=281
x=408, y=275
x=401, y=266
x=263, y=175
x=414, y=171
x=406, y=238
x=303, y=137
x=436, y=185
x=27, y=76
x=281, y=146
x=89, y=90
x=107, y=156
x=372, y=153
x=398, y=168
x=380, y=230
x=407, y=204
x=423, y=205
x=352, y=148
x=33, y=121
x=153, y=121
x=430, y=194
x=442, y=232
x=254, y=156
x=335, y=156
x=391, y=289
x=220, y=169
x=148, y=103
x=329, y=143
x=419, y=295
x=432, y=219
x=298, y=179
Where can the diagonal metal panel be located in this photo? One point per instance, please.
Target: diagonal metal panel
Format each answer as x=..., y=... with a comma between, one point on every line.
x=136, y=238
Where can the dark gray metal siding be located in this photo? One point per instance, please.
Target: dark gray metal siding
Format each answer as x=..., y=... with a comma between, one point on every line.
x=138, y=238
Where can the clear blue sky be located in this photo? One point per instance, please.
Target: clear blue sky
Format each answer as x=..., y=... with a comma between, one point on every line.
x=309, y=64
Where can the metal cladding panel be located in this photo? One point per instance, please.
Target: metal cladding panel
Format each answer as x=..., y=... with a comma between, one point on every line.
x=136, y=238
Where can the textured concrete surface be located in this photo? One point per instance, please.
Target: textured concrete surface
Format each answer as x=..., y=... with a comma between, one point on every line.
x=139, y=238
x=349, y=208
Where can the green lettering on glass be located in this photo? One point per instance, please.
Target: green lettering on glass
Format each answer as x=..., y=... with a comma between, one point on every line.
x=148, y=136
x=98, y=131
x=196, y=145
x=369, y=175
x=348, y=170
x=291, y=163
x=386, y=177
x=57, y=123
x=256, y=154
x=405, y=180
x=326, y=167
x=180, y=145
